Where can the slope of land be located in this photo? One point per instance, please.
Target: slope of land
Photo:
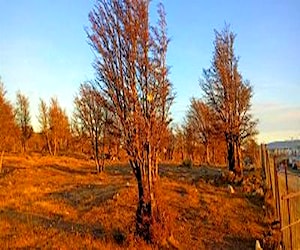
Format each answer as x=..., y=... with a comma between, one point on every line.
x=62, y=203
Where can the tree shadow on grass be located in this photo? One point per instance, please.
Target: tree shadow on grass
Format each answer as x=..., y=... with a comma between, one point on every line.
x=69, y=170
x=238, y=242
x=84, y=197
x=188, y=175
x=7, y=170
x=119, y=170
x=55, y=221
x=41, y=222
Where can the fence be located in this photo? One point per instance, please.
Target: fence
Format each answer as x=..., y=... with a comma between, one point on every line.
x=285, y=187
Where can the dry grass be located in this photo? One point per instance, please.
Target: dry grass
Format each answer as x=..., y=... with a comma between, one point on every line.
x=62, y=203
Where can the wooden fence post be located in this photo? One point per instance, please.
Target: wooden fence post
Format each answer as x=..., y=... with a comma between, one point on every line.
x=263, y=162
x=288, y=205
x=277, y=197
x=268, y=164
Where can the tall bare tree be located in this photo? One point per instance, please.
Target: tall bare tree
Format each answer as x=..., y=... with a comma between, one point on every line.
x=132, y=76
x=229, y=95
x=22, y=114
x=92, y=117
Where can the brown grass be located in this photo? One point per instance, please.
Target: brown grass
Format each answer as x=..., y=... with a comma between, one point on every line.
x=62, y=203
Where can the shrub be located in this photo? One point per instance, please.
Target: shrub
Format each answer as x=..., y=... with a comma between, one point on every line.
x=188, y=163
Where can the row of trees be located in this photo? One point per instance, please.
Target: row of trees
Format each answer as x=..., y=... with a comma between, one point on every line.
x=58, y=134
x=92, y=130
x=17, y=131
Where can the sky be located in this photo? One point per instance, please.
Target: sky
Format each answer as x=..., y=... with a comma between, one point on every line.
x=44, y=53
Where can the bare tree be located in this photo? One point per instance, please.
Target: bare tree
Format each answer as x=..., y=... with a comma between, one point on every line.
x=180, y=142
x=22, y=114
x=201, y=120
x=229, y=96
x=251, y=151
x=43, y=119
x=54, y=126
x=132, y=77
x=8, y=128
x=59, y=127
x=92, y=116
x=168, y=151
x=190, y=142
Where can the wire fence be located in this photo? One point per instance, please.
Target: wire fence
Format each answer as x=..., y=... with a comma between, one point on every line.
x=284, y=184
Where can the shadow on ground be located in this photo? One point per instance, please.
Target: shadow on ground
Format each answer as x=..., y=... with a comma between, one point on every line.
x=119, y=170
x=84, y=197
x=70, y=170
x=239, y=242
x=7, y=170
x=188, y=175
x=55, y=221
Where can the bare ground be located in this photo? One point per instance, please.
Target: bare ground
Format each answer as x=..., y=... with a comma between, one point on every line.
x=62, y=203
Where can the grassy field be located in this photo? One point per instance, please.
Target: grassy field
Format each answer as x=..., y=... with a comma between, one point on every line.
x=62, y=203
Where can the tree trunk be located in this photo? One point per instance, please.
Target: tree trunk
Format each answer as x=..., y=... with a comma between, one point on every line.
x=98, y=166
x=231, y=155
x=207, y=159
x=182, y=156
x=55, y=146
x=1, y=160
x=48, y=144
x=234, y=156
x=103, y=146
x=214, y=153
x=96, y=156
x=239, y=166
x=147, y=211
x=23, y=146
x=143, y=212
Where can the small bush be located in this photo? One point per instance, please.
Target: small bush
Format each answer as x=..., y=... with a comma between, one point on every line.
x=188, y=163
x=119, y=236
x=162, y=226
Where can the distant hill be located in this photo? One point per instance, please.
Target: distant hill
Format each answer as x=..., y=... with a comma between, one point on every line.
x=291, y=144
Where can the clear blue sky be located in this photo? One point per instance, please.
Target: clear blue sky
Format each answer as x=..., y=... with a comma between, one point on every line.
x=44, y=53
